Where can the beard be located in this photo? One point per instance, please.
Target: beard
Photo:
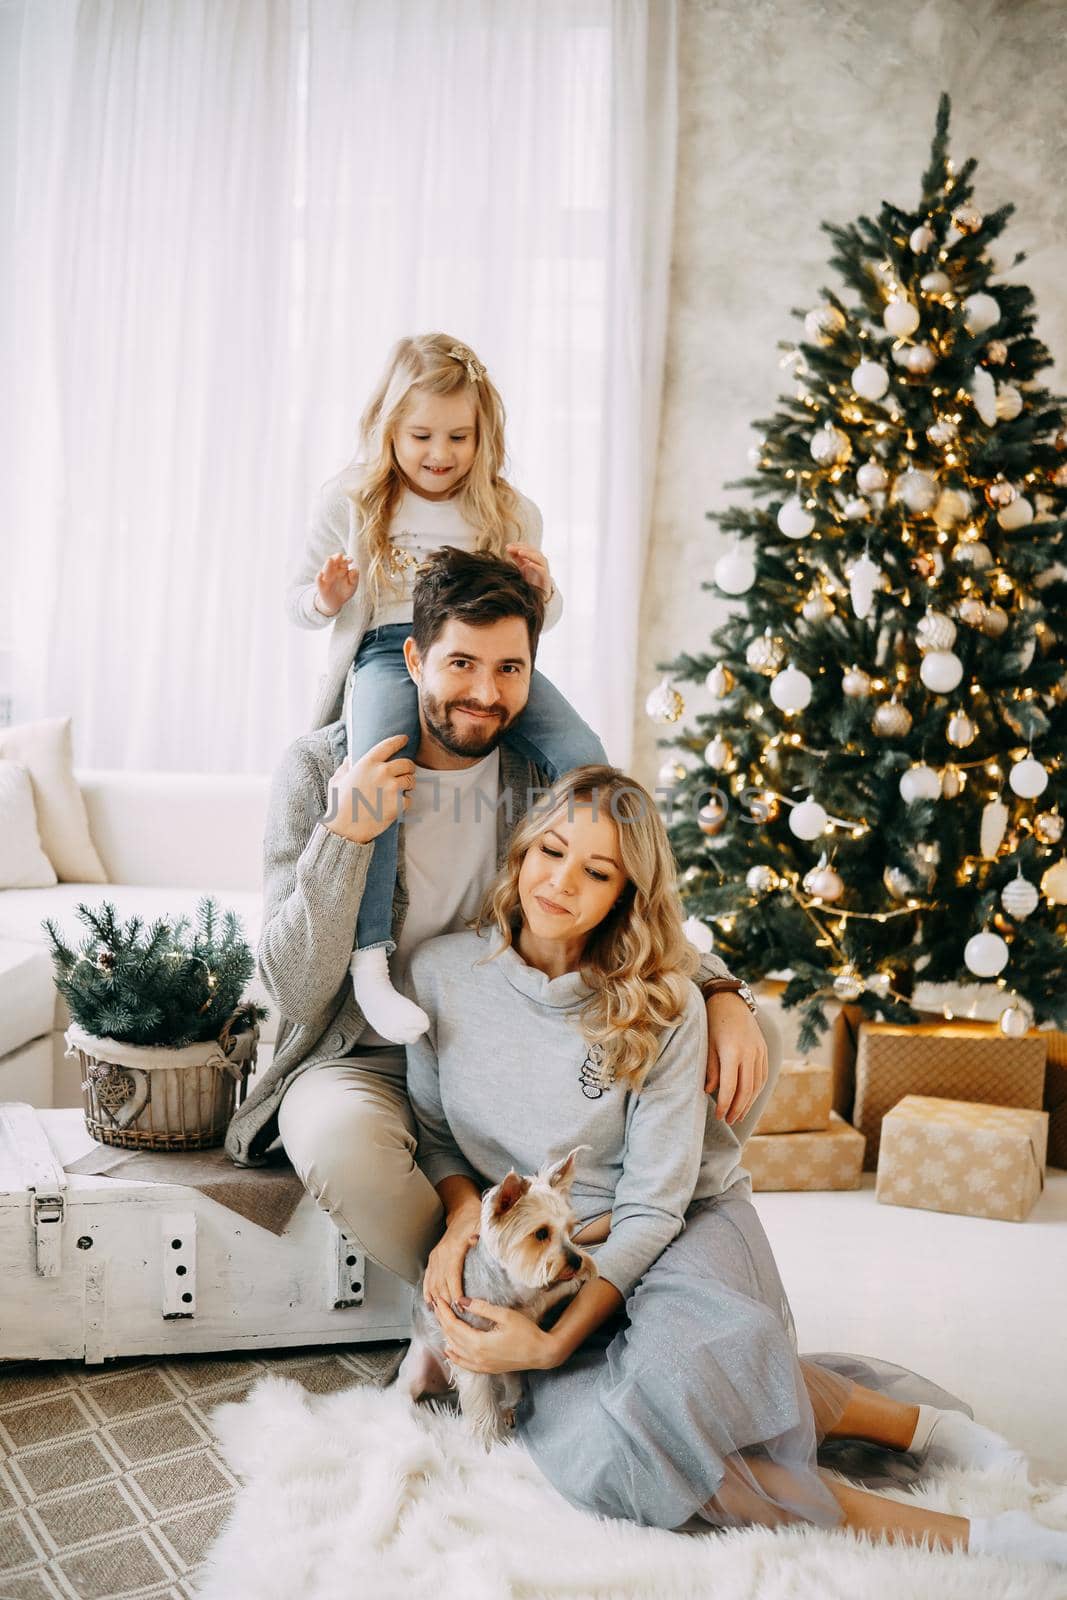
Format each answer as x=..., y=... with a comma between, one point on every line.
x=475, y=741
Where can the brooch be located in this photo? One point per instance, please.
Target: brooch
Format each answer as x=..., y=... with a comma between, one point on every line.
x=595, y=1077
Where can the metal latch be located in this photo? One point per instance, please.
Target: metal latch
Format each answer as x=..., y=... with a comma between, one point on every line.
x=48, y=1215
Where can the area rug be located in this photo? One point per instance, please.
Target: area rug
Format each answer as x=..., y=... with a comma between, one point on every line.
x=360, y=1496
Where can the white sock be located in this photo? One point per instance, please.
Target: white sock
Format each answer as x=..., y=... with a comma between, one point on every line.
x=388, y=1013
x=951, y=1439
x=1018, y=1536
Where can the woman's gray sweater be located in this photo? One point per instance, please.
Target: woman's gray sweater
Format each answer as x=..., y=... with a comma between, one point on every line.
x=504, y=1079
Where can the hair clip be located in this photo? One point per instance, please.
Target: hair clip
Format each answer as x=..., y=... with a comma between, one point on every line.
x=475, y=370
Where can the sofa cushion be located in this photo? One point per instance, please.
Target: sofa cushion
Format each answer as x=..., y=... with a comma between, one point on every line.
x=46, y=751
x=23, y=864
x=27, y=995
x=23, y=910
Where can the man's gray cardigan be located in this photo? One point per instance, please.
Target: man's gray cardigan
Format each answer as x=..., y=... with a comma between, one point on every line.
x=313, y=885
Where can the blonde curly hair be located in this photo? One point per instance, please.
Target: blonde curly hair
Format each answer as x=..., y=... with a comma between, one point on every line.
x=637, y=961
x=430, y=363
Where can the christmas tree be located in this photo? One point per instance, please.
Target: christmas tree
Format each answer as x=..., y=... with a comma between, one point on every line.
x=876, y=799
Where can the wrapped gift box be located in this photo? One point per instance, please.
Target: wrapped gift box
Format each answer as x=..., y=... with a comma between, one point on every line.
x=1056, y=1097
x=829, y=1158
x=955, y=1155
x=949, y=1060
x=802, y=1099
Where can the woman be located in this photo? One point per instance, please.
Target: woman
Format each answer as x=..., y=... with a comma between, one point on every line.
x=567, y=1017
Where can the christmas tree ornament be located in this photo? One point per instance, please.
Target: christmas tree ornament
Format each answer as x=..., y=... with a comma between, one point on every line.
x=791, y=689
x=664, y=704
x=900, y=318
x=992, y=829
x=952, y=506
x=870, y=380
x=943, y=432
x=692, y=875
x=972, y=553
x=794, y=519
x=920, y=783
x=961, y=730
x=980, y=312
x=1060, y=439
x=968, y=219
x=848, y=985
x=1014, y=1022
x=808, y=820
x=985, y=954
x=1009, y=402
x=823, y=323
x=872, y=477
x=879, y=984
x=856, y=683
x=1019, y=897
x=824, y=882
x=865, y=579
x=891, y=720
x=761, y=879
x=699, y=935
x=897, y=882
x=935, y=631
x=1054, y=883
x=1028, y=778
x=765, y=653
x=935, y=283
x=1018, y=515
x=830, y=445
x=918, y=490
x=899, y=356
x=994, y=621
x=817, y=607
x=1000, y=493
x=921, y=360
x=720, y=682
x=984, y=395
x=1059, y=477
x=928, y=563
x=996, y=352
x=856, y=509
x=1048, y=827
x=719, y=753
x=941, y=671
x=762, y=808
x=711, y=818
x=670, y=774
x=952, y=781
x=735, y=572
x=922, y=239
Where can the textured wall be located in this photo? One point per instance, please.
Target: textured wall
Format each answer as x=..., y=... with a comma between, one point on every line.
x=793, y=112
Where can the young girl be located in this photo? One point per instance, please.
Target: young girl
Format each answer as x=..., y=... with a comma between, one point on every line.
x=429, y=472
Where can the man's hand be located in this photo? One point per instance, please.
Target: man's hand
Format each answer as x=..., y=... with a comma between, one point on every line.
x=335, y=583
x=366, y=798
x=533, y=566
x=512, y=1344
x=737, y=1056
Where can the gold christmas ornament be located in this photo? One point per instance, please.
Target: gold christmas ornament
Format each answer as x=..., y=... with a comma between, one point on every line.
x=952, y=782
x=664, y=704
x=856, y=683
x=763, y=807
x=1060, y=440
x=824, y=882
x=765, y=654
x=1048, y=827
x=1059, y=477
x=1000, y=493
x=711, y=818
x=994, y=621
x=928, y=564
x=961, y=731
x=1054, y=883
x=891, y=720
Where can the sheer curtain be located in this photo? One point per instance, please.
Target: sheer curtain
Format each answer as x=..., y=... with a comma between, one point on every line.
x=224, y=215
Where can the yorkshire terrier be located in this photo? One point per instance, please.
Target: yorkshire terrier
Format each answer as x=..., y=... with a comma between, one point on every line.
x=524, y=1258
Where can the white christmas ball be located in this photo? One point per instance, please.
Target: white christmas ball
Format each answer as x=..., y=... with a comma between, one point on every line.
x=735, y=572
x=1014, y=1022
x=817, y=607
x=865, y=579
x=848, y=985
x=985, y=955
x=665, y=703
x=942, y=432
x=900, y=318
x=791, y=689
x=994, y=621
x=794, y=519
x=761, y=879
x=830, y=445
x=1019, y=898
x=922, y=238
x=920, y=783
x=971, y=613
x=808, y=819
x=764, y=653
x=980, y=311
x=1019, y=514
x=891, y=720
x=899, y=355
x=856, y=683
x=935, y=631
x=941, y=671
x=961, y=730
x=669, y=774
x=870, y=380
x=824, y=882
x=699, y=935
x=973, y=553
x=872, y=478
x=921, y=360
x=1054, y=883
x=935, y=282
x=1009, y=402
x=718, y=752
x=951, y=507
x=822, y=323
x=719, y=682
x=1028, y=778
x=984, y=395
x=918, y=490
x=856, y=509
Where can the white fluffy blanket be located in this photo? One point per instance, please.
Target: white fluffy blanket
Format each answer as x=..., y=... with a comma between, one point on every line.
x=359, y=1496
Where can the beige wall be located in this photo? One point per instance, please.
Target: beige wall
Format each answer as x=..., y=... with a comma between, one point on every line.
x=793, y=112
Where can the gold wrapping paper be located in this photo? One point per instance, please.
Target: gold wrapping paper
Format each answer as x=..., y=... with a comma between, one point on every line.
x=954, y=1155
x=801, y=1101
x=1056, y=1097
x=830, y=1158
x=949, y=1060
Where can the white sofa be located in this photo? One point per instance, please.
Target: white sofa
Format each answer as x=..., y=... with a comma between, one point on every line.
x=165, y=839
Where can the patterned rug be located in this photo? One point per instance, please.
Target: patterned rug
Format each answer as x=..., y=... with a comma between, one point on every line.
x=111, y=1484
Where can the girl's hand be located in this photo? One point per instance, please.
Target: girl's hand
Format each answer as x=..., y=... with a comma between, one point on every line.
x=737, y=1057
x=443, y=1282
x=335, y=584
x=533, y=566
x=513, y=1344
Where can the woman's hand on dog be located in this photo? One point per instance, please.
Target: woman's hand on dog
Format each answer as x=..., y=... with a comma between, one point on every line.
x=512, y=1344
x=443, y=1279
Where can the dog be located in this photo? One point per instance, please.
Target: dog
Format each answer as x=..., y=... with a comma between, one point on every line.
x=524, y=1258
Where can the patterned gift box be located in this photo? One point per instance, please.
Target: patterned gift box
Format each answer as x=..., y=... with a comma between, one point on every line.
x=1056, y=1097
x=801, y=1101
x=954, y=1155
x=830, y=1158
x=949, y=1060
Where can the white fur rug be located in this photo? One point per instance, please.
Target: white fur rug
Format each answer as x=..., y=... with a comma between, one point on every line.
x=358, y=1496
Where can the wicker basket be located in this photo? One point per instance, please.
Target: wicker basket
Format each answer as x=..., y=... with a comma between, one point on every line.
x=150, y=1098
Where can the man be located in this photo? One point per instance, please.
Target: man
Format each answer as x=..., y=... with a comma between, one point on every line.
x=335, y=1091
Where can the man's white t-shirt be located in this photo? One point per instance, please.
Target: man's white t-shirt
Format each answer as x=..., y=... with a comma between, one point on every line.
x=448, y=837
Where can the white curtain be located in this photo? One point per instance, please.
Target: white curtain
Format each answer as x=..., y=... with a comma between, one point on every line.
x=225, y=212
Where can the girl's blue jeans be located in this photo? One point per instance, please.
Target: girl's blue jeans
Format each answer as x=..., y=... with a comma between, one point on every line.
x=382, y=701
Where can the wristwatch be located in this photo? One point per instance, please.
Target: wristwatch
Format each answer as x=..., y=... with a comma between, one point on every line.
x=729, y=986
